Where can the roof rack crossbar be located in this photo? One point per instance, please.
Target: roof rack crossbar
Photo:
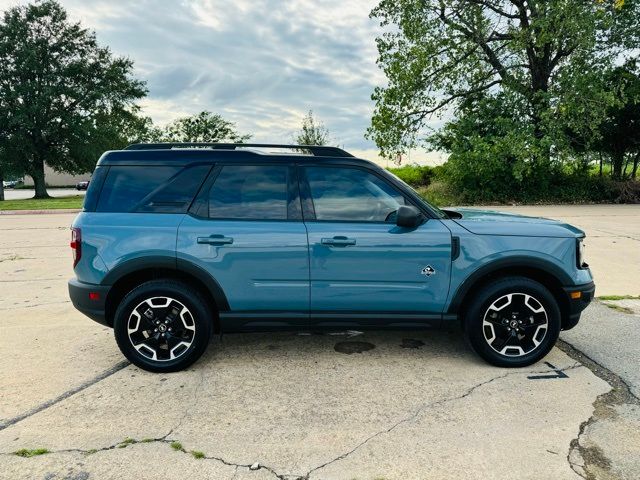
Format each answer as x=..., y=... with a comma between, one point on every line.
x=316, y=150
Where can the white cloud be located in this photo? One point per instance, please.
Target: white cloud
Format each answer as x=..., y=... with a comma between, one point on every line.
x=260, y=63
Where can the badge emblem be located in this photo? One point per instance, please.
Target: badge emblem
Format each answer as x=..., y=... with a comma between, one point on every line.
x=428, y=271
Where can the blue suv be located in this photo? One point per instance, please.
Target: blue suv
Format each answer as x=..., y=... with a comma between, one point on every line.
x=177, y=241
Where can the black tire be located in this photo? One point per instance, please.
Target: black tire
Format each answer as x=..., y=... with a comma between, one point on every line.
x=511, y=297
x=192, y=325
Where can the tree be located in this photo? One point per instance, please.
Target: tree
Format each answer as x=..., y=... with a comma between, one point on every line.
x=312, y=132
x=619, y=133
x=57, y=87
x=8, y=169
x=201, y=127
x=439, y=53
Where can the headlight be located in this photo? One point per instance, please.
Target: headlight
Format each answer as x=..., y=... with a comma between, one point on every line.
x=580, y=254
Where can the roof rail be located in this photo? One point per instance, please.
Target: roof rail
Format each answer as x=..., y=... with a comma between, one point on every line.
x=316, y=150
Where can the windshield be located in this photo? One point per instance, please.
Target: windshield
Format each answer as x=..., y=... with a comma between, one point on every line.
x=436, y=211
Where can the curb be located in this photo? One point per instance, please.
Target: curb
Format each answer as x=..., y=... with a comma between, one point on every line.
x=39, y=212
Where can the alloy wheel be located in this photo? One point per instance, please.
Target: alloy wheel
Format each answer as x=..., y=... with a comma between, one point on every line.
x=161, y=328
x=515, y=324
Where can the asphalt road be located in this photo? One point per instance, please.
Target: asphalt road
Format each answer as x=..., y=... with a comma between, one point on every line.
x=416, y=405
x=19, y=194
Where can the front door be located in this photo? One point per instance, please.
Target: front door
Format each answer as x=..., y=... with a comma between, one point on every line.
x=251, y=239
x=363, y=266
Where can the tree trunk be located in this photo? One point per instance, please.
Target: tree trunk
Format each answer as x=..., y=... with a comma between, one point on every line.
x=37, y=174
x=617, y=160
x=601, y=164
x=635, y=166
x=1, y=186
x=626, y=164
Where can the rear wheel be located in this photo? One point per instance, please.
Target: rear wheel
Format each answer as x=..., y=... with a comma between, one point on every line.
x=163, y=326
x=512, y=322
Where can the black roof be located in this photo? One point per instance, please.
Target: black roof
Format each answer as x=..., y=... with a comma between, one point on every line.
x=186, y=153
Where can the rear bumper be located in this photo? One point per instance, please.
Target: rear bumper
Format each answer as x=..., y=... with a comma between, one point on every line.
x=92, y=306
x=580, y=297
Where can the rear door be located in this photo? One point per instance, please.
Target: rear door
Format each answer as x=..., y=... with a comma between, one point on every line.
x=362, y=265
x=249, y=236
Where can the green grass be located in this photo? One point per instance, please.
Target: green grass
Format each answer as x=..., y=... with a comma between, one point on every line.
x=74, y=201
x=619, y=308
x=619, y=297
x=177, y=446
x=126, y=442
x=197, y=454
x=28, y=453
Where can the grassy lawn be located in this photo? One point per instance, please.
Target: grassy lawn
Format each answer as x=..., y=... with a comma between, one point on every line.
x=74, y=201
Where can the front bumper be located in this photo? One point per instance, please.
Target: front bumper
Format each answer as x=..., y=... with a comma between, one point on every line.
x=89, y=299
x=580, y=297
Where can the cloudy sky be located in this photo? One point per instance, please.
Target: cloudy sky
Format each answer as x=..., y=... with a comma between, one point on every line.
x=260, y=63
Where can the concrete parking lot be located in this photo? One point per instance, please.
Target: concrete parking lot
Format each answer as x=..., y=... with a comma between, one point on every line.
x=410, y=405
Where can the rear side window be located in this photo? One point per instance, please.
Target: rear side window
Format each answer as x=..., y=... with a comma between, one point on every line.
x=249, y=192
x=93, y=191
x=152, y=189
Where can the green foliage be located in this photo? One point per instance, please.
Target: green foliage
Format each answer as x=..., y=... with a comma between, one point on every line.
x=177, y=446
x=201, y=127
x=619, y=297
x=544, y=57
x=312, y=132
x=59, y=88
x=28, y=453
x=617, y=136
x=415, y=175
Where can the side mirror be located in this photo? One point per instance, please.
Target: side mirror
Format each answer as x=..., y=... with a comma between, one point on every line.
x=408, y=216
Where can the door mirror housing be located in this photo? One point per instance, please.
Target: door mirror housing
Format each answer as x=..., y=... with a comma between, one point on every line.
x=408, y=216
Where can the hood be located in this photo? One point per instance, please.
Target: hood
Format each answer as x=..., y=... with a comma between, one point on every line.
x=488, y=222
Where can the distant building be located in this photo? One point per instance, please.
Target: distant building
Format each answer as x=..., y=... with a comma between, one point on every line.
x=58, y=179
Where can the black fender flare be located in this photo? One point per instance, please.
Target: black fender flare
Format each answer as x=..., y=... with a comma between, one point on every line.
x=515, y=262
x=180, y=266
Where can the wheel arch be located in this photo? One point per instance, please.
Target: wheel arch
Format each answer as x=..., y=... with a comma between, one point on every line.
x=548, y=274
x=127, y=276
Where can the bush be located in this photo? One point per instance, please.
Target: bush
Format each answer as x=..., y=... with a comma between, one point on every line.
x=416, y=175
x=464, y=182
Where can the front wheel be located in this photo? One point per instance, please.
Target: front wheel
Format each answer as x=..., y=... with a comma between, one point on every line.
x=163, y=326
x=512, y=322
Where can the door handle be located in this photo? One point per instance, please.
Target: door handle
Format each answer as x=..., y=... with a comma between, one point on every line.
x=215, y=240
x=338, y=241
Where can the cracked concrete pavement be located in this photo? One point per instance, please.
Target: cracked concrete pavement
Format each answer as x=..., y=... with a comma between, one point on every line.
x=291, y=406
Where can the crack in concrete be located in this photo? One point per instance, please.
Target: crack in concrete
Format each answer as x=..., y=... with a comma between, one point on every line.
x=288, y=476
x=594, y=459
x=194, y=402
x=98, y=378
x=34, y=305
x=169, y=441
x=424, y=407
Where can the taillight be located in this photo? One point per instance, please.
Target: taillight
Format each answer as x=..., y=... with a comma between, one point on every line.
x=76, y=244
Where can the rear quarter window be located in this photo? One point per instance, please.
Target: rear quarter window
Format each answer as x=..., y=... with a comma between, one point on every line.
x=150, y=189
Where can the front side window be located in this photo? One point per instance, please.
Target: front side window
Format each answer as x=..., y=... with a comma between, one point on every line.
x=249, y=192
x=351, y=194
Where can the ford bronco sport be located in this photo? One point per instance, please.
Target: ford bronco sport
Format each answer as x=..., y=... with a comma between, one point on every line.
x=177, y=241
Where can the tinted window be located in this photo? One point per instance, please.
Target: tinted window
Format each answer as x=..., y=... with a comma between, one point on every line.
x=176, y=195
x=95, y=185
x=350, y=194
x=249, y=192
x=150, y=189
